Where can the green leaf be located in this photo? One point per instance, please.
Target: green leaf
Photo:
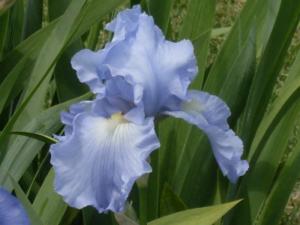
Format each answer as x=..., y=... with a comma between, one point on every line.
x=197, y=26
x=235, y=62
x=56, y=8
x=4, y=34
x=8, y=87
x=134, y=2
x=268, y=149
x=31, y=47
x=37, y=136
x=287, y=97
x=124, y=220
x=34, y=218
x=265, y=168
x=269, y=67
x=229, y=78
x=91, y=216
x=16, y=24
x=160, y=10
x=48, y=204
x=279, y=195
x=93, y=36
x=67, y=83
x=36, y=90
x=33, y=17
x=163, y=162
x=266, y=14
x=170, y=202
x=127, y=217
x=23, y=149
x=200, y=216
x=33, y=99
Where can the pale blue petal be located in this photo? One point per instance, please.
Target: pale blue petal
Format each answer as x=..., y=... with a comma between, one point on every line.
x=125, y=23
x=140, y=53
x=87, y=65
x=68, y=117
x=121, y=94
x=11, y=210
x=210, y=114
x=98, y=163
x=163, y=68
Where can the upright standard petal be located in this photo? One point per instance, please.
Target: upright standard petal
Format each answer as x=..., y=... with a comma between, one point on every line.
x=98, y=162
x=139, y=52
x=163, y=68
x=11, y=210
x=210, y=114
x=125, y=23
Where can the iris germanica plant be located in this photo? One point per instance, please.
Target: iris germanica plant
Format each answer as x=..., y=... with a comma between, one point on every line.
x=138, y=77
x=11, y=210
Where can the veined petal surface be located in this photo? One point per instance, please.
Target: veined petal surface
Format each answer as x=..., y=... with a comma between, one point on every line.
x=11, y=210
x=98, y=162
x=210, y=114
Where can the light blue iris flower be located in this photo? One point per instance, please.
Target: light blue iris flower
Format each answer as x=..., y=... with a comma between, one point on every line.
x=137, y=76
x=11, y=211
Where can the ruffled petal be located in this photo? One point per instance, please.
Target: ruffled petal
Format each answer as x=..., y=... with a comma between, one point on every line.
x=11, y=210
x=163, y=68
x=87, y=64
x=125, y=23
x=67, y=118
x=140, y=53
x=210, y=114
x=98, y=163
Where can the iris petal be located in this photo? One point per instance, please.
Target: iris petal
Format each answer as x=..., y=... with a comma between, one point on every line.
x=87, y=65
x=124, y=23
x=139, y=52
x=163, y=68
x=98, y=163
x=11, y=211
x=210, y=114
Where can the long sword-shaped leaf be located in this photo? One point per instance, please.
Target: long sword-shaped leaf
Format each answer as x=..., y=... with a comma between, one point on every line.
x=8, y=86
x=48, y=204
x=279, y=195
x=23, y=149
x=160, y=10
x=265, y=17
x=32, y=46
x=258, y=183
x=4, y=34
x=269, y=147
x=269, y=67
x=50, y=52
x=33, y=216
x=33, y=17
x=229, y=78
x=16, y=23
x=197, y=26
x=200, y=216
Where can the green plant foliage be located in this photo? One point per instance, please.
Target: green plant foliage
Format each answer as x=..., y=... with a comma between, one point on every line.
x=201, y=216
x=39, y=38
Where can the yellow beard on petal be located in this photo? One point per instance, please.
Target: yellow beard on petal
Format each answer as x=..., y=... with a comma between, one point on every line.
x=118, y=117
x=115, y=121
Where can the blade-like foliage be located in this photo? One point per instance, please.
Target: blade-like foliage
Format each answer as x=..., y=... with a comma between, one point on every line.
x=201, y=216
x=39, y=38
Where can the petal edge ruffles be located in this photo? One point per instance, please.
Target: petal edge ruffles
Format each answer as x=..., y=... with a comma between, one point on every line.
x=99, y=162
x=210, y=113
